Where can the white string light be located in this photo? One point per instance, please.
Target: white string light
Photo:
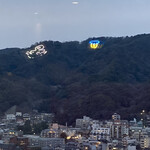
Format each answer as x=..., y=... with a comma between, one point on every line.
x=38, y=50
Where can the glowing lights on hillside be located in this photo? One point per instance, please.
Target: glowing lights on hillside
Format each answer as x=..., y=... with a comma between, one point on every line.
x=38, y=51
x=95, y=44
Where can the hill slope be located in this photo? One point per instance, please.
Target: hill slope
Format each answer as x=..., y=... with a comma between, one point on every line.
x=72, y=80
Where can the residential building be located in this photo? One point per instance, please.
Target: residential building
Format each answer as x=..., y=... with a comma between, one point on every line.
x=99, y=133
x=83, y=123
x=119, y=129
x=145, y=142
x=52, y=142
x=115, y=116
x=50, y=133
x=10, y=117
x=26, y=116
x=20, y=141
x=7, y=147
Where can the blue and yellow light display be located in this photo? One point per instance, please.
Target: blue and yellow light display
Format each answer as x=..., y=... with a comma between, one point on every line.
x=95, y=44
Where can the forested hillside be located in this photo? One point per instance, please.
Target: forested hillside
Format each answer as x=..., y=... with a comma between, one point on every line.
x=72, y=80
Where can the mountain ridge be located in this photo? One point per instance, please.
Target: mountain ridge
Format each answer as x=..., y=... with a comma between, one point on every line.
x=72, y=80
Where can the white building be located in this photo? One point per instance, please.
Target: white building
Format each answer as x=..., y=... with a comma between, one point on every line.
x=100, y=133
x=115, y=116
x=108, y=124
x=83, y=123
x=130, y=147
x=26, y=116
x=119, y=129
x=53, y=143
x=145, y=142
x=10, y=117
x=18, y=114
x=128, y=141
x=33, y=140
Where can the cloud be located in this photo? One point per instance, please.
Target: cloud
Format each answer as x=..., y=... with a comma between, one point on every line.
x=75, y=3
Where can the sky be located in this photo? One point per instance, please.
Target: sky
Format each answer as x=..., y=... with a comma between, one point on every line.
x=25, y=22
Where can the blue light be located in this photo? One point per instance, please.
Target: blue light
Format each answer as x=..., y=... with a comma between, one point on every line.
x=95, y=44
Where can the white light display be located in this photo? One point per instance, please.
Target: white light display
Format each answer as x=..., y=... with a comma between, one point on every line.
x=39, y=51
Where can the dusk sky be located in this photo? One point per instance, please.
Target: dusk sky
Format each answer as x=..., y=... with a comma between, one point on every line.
x=24, y=22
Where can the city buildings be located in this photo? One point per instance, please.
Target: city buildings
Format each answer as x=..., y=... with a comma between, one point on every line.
x=88, y=134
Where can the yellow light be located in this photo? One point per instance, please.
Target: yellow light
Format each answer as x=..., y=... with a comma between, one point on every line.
x=98, y=143
x=94, y=45
x=68, y=137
